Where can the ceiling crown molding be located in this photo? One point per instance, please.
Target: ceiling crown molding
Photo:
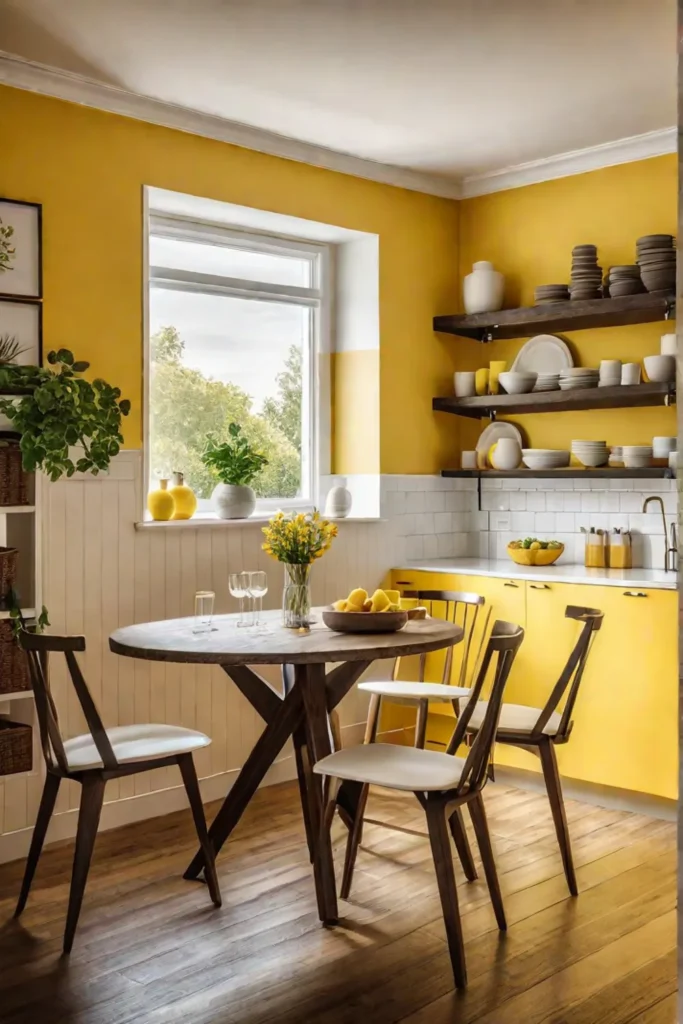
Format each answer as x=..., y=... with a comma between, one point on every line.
x=65, y=85
x=577, y=161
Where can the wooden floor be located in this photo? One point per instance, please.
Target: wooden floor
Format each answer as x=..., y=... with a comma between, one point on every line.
x=151, y=949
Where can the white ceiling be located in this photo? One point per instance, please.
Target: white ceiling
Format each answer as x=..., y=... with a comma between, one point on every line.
x=450, y=87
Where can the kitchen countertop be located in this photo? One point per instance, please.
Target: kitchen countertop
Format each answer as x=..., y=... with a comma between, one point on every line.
x=655, y=579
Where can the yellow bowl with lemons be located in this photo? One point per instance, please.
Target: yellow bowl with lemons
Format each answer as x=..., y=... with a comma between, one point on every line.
x=535, y=553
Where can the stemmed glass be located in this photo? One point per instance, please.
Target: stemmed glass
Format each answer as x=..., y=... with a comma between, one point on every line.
x=258, y=588
x=238, y=584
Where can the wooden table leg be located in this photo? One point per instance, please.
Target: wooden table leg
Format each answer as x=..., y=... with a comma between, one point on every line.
x=268, y=746
x=310, y=681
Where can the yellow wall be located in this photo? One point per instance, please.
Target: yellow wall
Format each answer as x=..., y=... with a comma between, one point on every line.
x=87, y=168
x=529, y=233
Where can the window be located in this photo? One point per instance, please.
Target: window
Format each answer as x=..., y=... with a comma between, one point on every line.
x=236, y=328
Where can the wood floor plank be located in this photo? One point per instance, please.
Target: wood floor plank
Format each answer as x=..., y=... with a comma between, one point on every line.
x=151, y=949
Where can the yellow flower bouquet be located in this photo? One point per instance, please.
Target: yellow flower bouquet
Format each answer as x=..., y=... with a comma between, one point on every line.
x=297, y=539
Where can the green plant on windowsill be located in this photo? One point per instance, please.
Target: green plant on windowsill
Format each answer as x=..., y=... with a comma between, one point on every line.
x=55, y=409
x=235, y=461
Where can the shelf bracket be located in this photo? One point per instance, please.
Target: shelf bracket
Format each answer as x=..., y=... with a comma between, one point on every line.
x=487, y=335
x=492, y=415
x=670, y=309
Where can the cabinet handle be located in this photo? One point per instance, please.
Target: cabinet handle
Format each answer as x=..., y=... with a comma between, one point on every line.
x=539, y=586
x=515, y=585
x=634, y=593
x=404, y=583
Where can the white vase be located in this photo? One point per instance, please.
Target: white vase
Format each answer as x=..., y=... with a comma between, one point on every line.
x=507, y=454
x=483, y=289
x=338, y=502
x=231, y=501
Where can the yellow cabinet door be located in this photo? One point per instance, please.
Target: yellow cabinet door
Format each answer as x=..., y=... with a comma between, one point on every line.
x=625, y=717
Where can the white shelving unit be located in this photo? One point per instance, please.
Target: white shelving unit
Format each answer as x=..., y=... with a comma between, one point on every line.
x=20, y=528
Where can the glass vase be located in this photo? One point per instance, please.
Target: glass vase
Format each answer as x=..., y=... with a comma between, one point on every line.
x=296, y=598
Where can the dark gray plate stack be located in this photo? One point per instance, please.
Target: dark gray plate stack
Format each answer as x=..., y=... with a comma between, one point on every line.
x=657, y=261
x=624, y=280
x=550, y=293
x=586, y=280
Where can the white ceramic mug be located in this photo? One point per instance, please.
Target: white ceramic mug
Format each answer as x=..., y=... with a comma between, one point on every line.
x=464, y=383
x=468, y=460
x=630, y=373
x=610, y=368
x=668, y=345
x=507, y=454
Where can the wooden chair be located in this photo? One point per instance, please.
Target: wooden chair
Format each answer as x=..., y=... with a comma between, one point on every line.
x=442, y=783
x=460, y=607
x=540, y=730
x=92, y=760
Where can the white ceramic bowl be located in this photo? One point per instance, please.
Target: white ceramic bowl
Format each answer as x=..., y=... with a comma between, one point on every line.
x=517, y=383
x=637, y=461
x=545, y=460
x=660, y=369
x=593, y=459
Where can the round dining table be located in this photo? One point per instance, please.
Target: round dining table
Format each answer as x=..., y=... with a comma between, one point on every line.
x=310, y=692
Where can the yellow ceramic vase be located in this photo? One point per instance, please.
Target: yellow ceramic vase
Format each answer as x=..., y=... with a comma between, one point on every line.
x=160, y=503
x=481, y=381
x=496, y=367
x=184, y=498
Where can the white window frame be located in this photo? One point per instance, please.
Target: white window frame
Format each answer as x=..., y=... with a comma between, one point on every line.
x=315, y=450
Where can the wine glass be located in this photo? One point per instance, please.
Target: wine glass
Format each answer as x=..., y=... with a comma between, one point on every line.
x=258, y=588
x=238, y=584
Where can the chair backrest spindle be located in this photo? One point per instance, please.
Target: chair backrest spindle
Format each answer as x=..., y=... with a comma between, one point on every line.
x=38, y=647
x=572, y=673
x=459, y=604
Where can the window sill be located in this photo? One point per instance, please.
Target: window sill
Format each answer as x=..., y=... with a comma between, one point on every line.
x=210, y=522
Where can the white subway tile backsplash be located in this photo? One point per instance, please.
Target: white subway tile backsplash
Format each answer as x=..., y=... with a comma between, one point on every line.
x=442, y=522
x=535, y=500
x=572, y=502
x=630, y=502
x=554, y=502
x=545, y=524
x=500, y=521
x=590, y=501
x=517, y=501
x=430, y=546
x=436, y=501
x=414, y=547
x=565, y=522
x=523, y=523
x=426, y=522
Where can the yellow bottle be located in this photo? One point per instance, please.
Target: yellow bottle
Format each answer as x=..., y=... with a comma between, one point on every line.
x=160, y=503
x=184, y=498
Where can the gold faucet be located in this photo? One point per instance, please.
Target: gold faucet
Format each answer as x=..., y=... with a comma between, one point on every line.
x=671, y=552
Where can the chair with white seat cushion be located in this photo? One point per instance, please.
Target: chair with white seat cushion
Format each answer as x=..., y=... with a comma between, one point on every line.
x=442, y=783
x=92, y=760
x=540, y=730
x=458, y=607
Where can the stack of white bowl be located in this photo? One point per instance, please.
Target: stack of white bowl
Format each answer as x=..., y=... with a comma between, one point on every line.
x=663, y=446
x=578, y=378
x=616, y=455
x=547, y=382
x=545, y=458
x=591, y=453
x=637, y=456
x=610, y=373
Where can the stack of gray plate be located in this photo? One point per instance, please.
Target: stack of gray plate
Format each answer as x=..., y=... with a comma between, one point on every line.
x=657, y=262
x=586, y=274
x=578, y=378
x=624, y=280
x=550, y=293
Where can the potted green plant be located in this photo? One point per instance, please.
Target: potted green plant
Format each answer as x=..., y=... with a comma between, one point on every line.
x=234, y=463
x=56, y=410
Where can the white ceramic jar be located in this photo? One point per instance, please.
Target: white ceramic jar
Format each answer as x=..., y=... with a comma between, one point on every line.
x=483, y=289
x=338, y=503
x=507, y=454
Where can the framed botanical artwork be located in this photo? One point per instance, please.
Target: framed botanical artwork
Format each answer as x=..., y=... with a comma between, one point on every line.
x=21, y=326
x=21, y=249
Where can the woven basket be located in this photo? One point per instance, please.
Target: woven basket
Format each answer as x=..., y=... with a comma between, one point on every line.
x=8, y=573
x=13, y=479
x=16, y=748
x=14, y=671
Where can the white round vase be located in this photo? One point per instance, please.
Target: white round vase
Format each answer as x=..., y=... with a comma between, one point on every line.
x=507, y=454
x=338, y=502
x=231, y=501
x=483, y=289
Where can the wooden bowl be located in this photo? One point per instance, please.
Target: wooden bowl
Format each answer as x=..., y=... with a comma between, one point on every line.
x=364, y=622
x=540, y=556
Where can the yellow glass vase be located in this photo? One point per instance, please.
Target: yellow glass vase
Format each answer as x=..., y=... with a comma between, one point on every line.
x=184, y=498
x=160, y=503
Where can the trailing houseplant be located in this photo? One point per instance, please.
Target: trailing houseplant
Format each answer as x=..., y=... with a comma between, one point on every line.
x=235, y=463
x=55, y=410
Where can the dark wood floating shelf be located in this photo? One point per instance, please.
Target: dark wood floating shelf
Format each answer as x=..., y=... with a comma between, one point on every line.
x=621, y=397
x=572, y=473
x=560, y=316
